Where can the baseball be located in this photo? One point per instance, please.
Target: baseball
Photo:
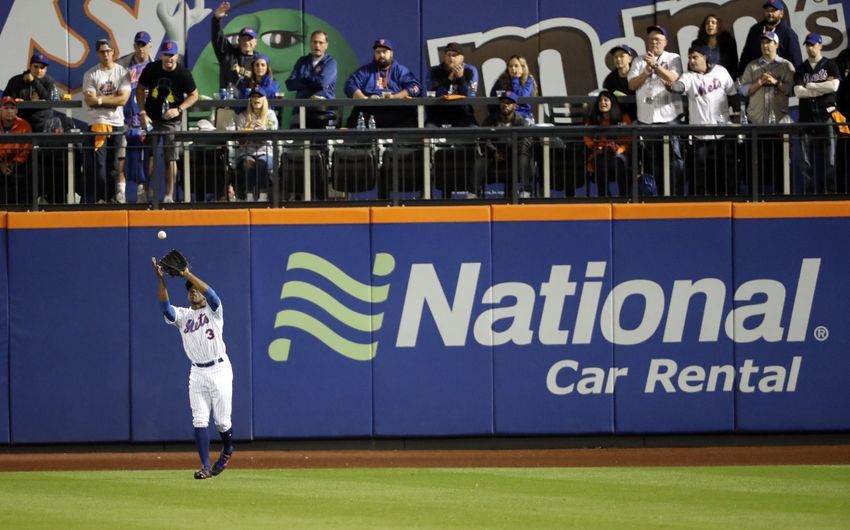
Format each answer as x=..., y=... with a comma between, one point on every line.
x=161, y=234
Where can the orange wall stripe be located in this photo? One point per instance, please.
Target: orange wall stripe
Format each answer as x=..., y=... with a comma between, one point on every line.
x=693, y=210
x=791, y=209
x=107, y=219
x=547, y=212
x=431, y=214
x=189, y=218
x=4, y=221
x=310, y=216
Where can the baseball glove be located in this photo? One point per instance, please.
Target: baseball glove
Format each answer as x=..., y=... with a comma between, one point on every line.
x=174, y=263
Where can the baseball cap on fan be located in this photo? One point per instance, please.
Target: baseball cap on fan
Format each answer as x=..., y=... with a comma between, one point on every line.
x=39, y=58
x=775, y=4
x=8, y=100
x=143, y=37
x=660, y=29
x=813, y=38
x=510, y=96
x=770, y=35
x=623, y=48
x=248, y=31
x=383, y=43
x=169, y=47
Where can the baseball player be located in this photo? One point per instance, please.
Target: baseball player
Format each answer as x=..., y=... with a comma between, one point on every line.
x=211, y=376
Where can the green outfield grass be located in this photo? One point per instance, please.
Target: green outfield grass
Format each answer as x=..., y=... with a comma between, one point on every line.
x=676, y=497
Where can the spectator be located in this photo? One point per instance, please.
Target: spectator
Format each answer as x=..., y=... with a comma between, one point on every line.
x=789, y=43
x=33, y=84
x=453, y=77
x=617, y=81
x=254, y=160
x=234, y=62
x=496, y=158
x=260, y=78
x=519, y=81
x=816, y=82
x=314, y=77
x=712, y=168
x=383, y=78
x=842, y=169
x=720, y=43
x=106, y=88
x=650, y=76
x=767, y=82
x=166, y=90
x=608, y=156
x=135, y=158
x=14, y=158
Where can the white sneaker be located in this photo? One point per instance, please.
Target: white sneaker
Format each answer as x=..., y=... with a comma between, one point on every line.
x=168, y=198
x=264, y=197
x=120, y=198
x=249, y=197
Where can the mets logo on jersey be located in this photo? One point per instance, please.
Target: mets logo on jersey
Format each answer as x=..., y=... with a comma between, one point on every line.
x=336, y=321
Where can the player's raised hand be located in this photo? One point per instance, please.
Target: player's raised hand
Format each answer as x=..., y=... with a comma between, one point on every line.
x=222, y=9
x=157, y=268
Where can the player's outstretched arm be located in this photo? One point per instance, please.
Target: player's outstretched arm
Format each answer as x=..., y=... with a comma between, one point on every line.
x=162, y=292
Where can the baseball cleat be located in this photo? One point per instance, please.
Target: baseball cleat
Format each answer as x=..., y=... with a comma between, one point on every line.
x=203, y=473
x=221, y=464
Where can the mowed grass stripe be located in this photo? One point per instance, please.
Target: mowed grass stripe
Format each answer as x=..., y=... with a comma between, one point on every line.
x=671, y=497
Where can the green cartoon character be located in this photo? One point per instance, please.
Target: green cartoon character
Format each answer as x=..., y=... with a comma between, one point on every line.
x=284, y=36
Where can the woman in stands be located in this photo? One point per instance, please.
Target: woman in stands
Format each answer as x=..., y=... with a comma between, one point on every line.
x=255, y=159
x=261, y=78
x=520, y=81
x=607, y=158
x=722, y=48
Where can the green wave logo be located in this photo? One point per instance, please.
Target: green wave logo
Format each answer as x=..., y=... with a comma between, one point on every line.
x=375, y=294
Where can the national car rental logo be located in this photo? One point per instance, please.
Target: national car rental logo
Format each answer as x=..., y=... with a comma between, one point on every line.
x=317, y=267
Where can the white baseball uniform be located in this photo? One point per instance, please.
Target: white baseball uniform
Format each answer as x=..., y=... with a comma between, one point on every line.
x=211, y=376
x=707, y=96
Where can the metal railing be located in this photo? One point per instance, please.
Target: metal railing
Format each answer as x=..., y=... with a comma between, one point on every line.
x=429, y=164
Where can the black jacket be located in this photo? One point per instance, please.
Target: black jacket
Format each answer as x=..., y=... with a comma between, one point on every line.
x=18, y=88
x=227, y=55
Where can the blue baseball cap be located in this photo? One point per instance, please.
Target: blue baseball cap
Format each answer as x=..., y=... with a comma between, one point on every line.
x=383, y=43
x=169, y=47
x=39, y=57
x=701, y=49
x=660, y=29
x=510, y=96
x=142, y=36
x=775, y=4
x=624, y=48
x=248, y=31
x=260, y=56
x=813, y=38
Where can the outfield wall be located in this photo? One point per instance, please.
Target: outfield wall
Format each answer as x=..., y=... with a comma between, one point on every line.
x=435, y=321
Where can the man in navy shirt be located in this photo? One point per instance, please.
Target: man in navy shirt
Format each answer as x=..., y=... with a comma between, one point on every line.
x=314, y=76
x=815, y=83
x=789, y=43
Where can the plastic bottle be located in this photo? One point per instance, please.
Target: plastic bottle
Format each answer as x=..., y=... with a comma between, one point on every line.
x=361, y=121
x=231, y=91
x=744, y=121
x=372, y=121
x=771, y=117
x=54, y=94
x=165, y=107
